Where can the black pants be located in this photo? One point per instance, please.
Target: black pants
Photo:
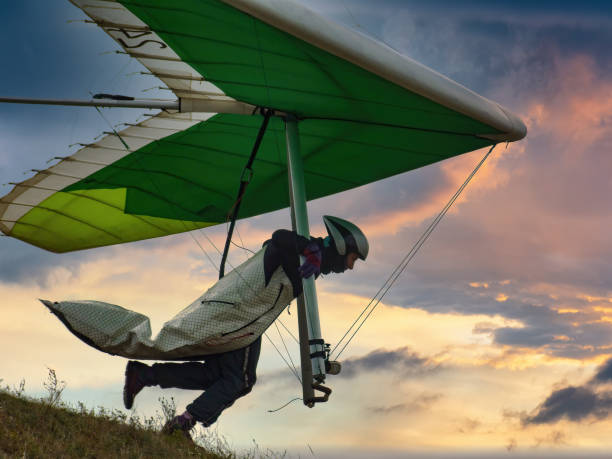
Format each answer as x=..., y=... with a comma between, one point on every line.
x=223, y=377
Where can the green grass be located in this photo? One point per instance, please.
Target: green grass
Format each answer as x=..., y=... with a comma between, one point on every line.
x=48, y=427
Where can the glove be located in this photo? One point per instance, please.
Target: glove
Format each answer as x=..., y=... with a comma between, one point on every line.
x=312, y=264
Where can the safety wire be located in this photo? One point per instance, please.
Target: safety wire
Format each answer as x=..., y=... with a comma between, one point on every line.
x=404, y=263
x=288, y=331
x=241, y=246
x=294, y=371
x=286, y=350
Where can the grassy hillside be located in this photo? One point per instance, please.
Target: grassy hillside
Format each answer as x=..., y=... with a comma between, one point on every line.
x=37, y=429
x=47, y=427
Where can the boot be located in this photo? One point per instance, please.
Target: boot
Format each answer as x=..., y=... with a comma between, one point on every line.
x=136, y=373
x=183, y=423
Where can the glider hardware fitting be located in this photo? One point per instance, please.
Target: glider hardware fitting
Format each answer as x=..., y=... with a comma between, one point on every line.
x=310, y=403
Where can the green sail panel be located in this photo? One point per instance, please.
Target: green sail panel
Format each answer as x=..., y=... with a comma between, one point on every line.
x=257, y=63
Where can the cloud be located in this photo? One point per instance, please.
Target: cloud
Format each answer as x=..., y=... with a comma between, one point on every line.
x=496, y=41
x=574, y=403
x=604, y=373
x=402, y=360
x=421, y=402
x=556, y=437
x=25, y=264
x=469, y=425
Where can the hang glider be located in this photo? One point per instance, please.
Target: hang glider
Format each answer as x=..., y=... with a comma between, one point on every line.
x=364, y=111
x=328, y=108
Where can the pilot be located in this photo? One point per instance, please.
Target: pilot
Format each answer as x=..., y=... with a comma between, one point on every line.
x=227, y=376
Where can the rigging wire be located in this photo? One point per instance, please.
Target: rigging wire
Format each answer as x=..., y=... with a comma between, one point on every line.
x=288, y=331
x=285, y=346
x=406, y=260
x=241, y=246
x=113, y=129
x=212, y=262
x=231, y=266
x=282, y=357
x=352, y=16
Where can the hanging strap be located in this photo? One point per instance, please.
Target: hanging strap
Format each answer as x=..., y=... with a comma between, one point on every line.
x=247, y=175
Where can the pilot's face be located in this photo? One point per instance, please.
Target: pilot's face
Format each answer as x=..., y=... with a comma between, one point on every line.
x=350, y=259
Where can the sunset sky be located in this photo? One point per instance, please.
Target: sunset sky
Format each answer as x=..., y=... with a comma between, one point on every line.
x=497, y=339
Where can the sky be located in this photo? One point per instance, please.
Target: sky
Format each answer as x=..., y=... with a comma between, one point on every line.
x=497, y=339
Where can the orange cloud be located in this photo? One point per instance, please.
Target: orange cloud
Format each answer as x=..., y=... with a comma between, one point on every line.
x=479, y=284
x=581, y=110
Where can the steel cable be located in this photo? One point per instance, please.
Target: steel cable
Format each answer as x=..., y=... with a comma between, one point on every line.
x=406, y=260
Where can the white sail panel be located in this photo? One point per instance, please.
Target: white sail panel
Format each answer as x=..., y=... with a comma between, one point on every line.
x=137, y=40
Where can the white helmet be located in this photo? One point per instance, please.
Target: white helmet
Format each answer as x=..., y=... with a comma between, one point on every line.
x=347, y=237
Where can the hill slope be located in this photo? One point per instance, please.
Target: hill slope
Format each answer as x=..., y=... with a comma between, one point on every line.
x=30, y=428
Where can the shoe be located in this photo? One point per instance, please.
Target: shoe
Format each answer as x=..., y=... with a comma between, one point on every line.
x=180, y=423
x=133, y=383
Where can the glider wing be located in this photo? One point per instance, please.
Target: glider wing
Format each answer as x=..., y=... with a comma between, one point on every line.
x=365, y=113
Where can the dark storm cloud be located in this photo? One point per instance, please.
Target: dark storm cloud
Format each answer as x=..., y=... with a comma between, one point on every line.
x=402, y=360
x=572, y=335
x=21, y=263
x=604, y=373
x=498, y=40
x=572, y=403
x=576, y=403
x=528, y=337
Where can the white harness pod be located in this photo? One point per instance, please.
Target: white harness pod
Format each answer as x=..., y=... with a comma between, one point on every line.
x=230, y=315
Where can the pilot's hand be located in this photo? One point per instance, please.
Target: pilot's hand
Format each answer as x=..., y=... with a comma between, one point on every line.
x=312, y=264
